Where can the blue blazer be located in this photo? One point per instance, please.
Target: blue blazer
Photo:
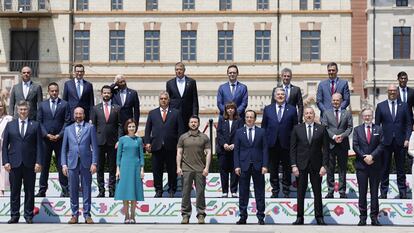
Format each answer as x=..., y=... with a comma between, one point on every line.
x=86, y=101
x=130, y=109
x=225, y=134
x=27, y=150
x=86, y=150
x=240, y=97
x=324, y=96
x=361, y=146
x=279, y=130
x=53, y=124
x=244, y=152
x=400, y=128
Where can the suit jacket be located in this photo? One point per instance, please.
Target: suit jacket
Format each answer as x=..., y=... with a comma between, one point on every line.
x=130, y=109
x=410, y=101
x=344, y=128
x=361, y=146
x=53, y=124
x=225, y=134
x=188, y=103
x=86, y=101
x=276, y=130
x=399, y=128
x=159, y=133
x=324, y=96
x=246, y=153
x=107, y=132
x=240, y=97
x=295, y=99
x=314, y=154
x=34, y=97
x=18, y=150
x=86, y=149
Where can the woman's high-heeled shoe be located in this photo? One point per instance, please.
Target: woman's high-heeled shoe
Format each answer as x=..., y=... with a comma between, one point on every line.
x=132, y=221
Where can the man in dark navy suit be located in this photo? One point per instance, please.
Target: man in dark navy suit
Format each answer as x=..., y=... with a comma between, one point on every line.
x=395, y=121
x=278, y=121
x=367, y=144
x=164, y=127
x=79, y=92
x=126, y=98
x=183, y=94
x=251, y=161
x=22, y=158
x=53, y=115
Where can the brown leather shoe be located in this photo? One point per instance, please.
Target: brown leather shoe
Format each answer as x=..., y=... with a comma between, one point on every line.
x=88, y=220
x=73, y=220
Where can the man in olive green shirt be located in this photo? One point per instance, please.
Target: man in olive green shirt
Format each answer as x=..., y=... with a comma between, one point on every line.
x=193, y=162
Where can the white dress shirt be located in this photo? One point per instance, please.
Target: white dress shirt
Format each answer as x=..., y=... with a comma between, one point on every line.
x=26, y=88
x=81, y=85
x=26, y=121
x=181, y=85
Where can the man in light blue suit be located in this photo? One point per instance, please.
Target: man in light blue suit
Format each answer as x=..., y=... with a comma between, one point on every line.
x=79, y=157
x=232, y=90
x=327, y=88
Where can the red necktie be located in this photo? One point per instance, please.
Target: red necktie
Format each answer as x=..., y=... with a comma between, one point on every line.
x=106, y=112
x=369, y=134
x=164, y=115
x=332, y=87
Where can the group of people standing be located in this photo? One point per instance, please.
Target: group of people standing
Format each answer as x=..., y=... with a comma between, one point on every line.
x=85, y=137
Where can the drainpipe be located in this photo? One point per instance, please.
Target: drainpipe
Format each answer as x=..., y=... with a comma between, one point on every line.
x=373, y=55
x=71, y=41
x=278, y=43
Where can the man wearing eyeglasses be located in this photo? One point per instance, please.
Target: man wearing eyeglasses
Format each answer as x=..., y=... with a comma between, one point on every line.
x=28, y=91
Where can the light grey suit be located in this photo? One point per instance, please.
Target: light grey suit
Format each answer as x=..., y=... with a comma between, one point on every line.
x=338, y=151
x=34, y=97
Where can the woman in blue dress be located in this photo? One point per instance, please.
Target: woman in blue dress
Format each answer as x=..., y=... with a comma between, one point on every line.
x=130, y=170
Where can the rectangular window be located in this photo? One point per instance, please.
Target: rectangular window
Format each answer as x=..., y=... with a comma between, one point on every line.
x=82, y=45
x=401, y=42
x=116, y=5
x=117, y=45
x=25, y=5
x=303, y=5
x=8, y=4
x=42, y=4
x=152, y=45
x=401, y=3
x=151, y=5
x=82, y=5
x=262, y=4
x=225, y=46
x=188, y=4
x=310, y=47
x=316, y=4
x=225, y=5
x=188, y=45
x=262, y=45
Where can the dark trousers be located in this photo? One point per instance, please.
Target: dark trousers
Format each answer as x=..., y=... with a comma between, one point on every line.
x=106, y=153
x=399, y=159
x=316, y=182
x=226, y=170
x=51, y=147
x=17, y=176
x=369, y=176
x=259, y=192
x=277, y=156
x=159, y=159
x=341, y=155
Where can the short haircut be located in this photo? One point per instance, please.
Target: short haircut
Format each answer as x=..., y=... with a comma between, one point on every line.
x=129, y=121
x=228, y=105
x=164, y=93
x=366, y=109
x=180, y=64
x=52, y=84
x=332, y=64
x=337, y=93
x=23, y=103
x=254, y=113
x=233, y=66
x=119, y=76
x=286, y=70
x=194, y=117
x=106, y=87
x=78, y=65
x=401, y=74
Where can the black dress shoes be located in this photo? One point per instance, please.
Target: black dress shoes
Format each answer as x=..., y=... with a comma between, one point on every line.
x=329, y=195
x=320, y=221
x=101, y=194
x=375, y=222
x=13, y=220
x=383, y=196
x=158, y=194
x=29, y=220
x=274, y=195
x=403, y=196
x=261, y=222
x=111, y=194
x=64, y=194
x=171, y=194
x=40, y=194
x=343, y=195
x=241, y=221
x=299, y=221
x=362, y=222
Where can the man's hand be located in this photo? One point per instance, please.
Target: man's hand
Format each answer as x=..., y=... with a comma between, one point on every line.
x=205, y=172
x=7, y=166
x=148, y=147
x=116, y=145
x=179, y=171
x=406, y=144
x=322, y=172
x=237, y=171
x=231, y=147
x=338, y=138
x=118, y=173
x=93, y=169
x=295, y=171
x=368, y=159
x=264, y=170
x=38, y=168
x=65, y=170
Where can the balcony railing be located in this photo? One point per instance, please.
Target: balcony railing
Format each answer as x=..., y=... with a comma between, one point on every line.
x=24, y=6
x=17, y=65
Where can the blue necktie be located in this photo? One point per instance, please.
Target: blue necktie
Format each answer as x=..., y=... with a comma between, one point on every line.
x=287, y=93
x=279, y=113
x=393, y=110
x=404, y=96
x=22, y=129
x=233, y=88
x=53, y=107
x=78, y=89
x=250, y=136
